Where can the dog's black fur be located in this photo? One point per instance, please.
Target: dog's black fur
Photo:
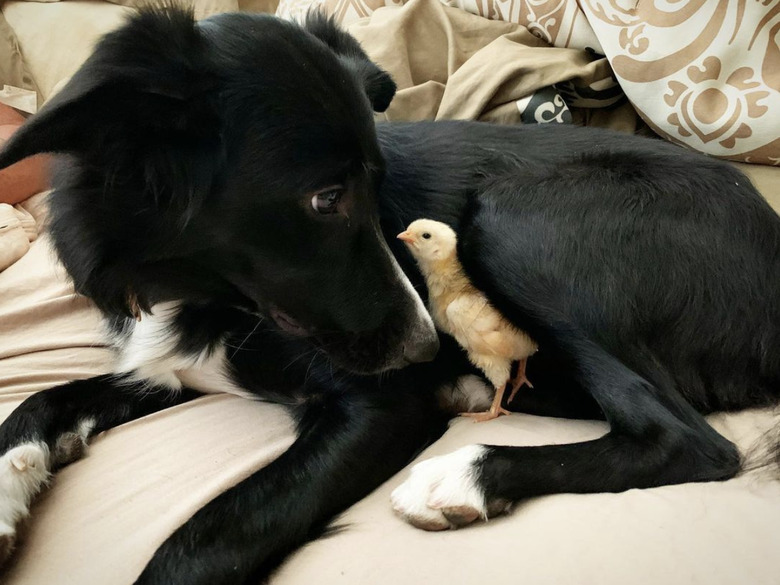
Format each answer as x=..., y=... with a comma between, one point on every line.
x=646, y=273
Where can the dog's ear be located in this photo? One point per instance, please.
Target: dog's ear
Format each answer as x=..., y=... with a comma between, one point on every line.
x=143, y=94
x=378, y=84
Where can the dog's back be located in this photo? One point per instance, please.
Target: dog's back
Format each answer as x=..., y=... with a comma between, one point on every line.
x=669, y=257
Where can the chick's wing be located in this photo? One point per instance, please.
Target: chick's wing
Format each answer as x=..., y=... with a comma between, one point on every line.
x=478, y=327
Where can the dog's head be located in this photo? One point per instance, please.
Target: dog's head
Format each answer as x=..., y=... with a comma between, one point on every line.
x=232, y=161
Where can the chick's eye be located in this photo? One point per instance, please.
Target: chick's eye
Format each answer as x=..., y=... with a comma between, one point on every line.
x=326, y=202
x=427, y=236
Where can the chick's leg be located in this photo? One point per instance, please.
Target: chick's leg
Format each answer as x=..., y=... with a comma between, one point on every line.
x=495, y=410
x=520, y=379
x=498, y=371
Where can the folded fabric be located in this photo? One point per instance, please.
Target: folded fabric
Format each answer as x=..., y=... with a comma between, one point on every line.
x=13, y=69
x=467, y=67
x=17, y=230
x=559, y=22
x=702, y=74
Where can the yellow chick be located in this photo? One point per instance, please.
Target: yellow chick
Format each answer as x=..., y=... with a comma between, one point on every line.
x=458, y=308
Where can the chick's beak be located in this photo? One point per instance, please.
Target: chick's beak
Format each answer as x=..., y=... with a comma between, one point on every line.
x=406, y=237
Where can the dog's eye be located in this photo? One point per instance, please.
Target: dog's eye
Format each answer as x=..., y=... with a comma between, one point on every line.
x=327, y=201
x=426, y=236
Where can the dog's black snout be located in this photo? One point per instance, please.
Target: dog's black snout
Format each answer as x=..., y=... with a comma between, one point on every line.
x=422, y=349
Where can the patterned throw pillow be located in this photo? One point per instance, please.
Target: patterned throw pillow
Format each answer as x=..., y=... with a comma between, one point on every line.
x=702, y=73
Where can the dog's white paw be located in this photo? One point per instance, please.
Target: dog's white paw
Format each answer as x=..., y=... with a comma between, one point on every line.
x=443, y=492
x=24, y=470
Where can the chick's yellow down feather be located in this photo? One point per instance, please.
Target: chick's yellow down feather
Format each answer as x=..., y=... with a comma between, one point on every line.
x=479, y=328
x=460, y=309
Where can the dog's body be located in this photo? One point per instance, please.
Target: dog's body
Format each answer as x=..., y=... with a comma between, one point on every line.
x=647, y=275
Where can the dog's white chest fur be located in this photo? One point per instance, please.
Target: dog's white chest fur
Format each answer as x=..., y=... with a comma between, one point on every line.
x=150, y=351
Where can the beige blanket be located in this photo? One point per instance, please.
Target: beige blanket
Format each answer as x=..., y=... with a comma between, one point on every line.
x=450, y=64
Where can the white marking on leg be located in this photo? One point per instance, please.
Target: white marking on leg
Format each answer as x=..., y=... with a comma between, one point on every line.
x=147, y=351
x=85, y=427
x=24, y=470
x=442, y=487
x=468, y=394
x=72, y=445
x=212, y=376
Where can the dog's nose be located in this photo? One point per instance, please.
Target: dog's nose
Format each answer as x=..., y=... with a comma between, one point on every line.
x=422, y=348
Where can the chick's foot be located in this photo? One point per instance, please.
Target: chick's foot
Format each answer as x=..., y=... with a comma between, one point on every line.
x=495, y=410
x=519, y=380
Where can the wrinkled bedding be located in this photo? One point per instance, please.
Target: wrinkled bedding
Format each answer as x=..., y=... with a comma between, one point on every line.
x=704, y=74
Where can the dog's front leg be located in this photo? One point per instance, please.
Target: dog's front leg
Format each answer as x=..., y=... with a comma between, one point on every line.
x=51, y=429
x=347, y=446
x=656, y=439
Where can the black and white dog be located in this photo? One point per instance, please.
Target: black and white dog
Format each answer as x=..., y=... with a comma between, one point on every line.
x=225, y=186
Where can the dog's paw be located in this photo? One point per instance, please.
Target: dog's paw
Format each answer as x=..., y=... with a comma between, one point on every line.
x=24, y=470
x=444, y=492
